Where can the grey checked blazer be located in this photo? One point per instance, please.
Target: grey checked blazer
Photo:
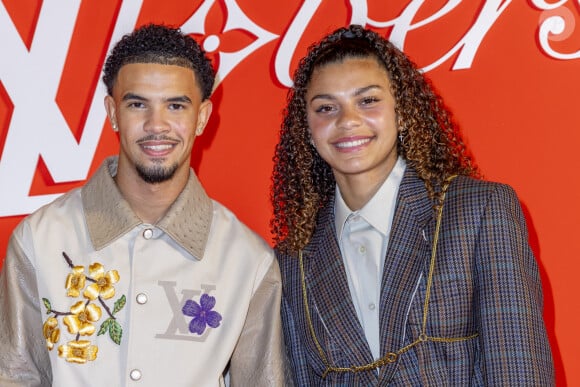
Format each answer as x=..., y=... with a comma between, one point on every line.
x=485, y=281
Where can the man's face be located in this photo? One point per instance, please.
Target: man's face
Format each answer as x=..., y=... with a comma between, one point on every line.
x=158, y=111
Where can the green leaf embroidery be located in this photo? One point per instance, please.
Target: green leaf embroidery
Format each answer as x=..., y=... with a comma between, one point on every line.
x=105, y=326
x=115, y=332
x=119, y=304
x=47, y=305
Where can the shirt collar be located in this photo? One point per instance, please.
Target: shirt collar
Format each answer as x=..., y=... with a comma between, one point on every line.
x=374, y=211
x=109, y=215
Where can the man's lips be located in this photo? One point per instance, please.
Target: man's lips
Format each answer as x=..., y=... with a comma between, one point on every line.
x=157, y=148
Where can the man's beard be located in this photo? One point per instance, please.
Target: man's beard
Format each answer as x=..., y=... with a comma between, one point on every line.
x=156, y=174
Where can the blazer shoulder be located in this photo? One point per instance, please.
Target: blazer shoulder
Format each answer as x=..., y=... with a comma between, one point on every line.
x=467, y=195
x=465, y=186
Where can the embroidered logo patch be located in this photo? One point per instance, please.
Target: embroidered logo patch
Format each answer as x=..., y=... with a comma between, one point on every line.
x=84, y=314
x=202, y=314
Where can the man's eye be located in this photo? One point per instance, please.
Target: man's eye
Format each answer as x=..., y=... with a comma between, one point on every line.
x=136, y=105
x=176, y=106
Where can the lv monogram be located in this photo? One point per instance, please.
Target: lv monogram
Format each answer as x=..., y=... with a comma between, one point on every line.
x=178, y=326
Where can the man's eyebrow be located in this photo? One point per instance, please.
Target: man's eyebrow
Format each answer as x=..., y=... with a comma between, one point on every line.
x=182, y=98
x=133, y=96
x=137, y=97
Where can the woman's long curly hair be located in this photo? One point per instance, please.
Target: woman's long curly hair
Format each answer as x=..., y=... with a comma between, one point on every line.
x=302, y=182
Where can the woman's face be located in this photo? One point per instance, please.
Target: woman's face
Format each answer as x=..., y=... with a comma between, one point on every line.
x=351, y=116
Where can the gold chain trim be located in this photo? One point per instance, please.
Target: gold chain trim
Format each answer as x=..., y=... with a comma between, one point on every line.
x=390, y=357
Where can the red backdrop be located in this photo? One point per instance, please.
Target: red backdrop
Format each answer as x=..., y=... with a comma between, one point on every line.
x=508, y=70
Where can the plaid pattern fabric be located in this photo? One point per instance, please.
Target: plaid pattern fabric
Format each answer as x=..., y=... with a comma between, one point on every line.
x=486, y=281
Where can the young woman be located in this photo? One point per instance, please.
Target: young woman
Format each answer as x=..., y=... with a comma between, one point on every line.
x=400, y=265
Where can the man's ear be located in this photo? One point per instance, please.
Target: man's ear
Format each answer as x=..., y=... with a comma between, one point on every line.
x=203, y=115
x=111, y=112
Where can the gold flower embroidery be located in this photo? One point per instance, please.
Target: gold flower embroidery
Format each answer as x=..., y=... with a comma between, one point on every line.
x=51, y=332
x=75, y=281
x=78, y=351
x=104, y=281
x=82, y=317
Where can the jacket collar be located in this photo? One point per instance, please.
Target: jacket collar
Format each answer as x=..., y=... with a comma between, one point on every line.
x=109, y=216
x=407, y=258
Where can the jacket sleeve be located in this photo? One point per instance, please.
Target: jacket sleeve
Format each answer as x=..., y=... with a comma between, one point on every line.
x=259, y=358
x=508, y=298
x=297, y=357
x=24, y=359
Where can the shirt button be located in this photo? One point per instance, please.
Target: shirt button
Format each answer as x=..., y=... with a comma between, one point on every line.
x=362, y=249
x=141, y=298
x=148, y=233
x=372, y=306
x=135, y=374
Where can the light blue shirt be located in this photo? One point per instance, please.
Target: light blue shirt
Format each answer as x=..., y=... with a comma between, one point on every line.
x=363, y=236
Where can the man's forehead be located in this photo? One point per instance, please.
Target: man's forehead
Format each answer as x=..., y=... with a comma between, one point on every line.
x=139, y=77
x=138, y=70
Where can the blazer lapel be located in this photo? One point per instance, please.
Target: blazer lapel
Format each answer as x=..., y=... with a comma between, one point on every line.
x=329, y=294
x=407, y=253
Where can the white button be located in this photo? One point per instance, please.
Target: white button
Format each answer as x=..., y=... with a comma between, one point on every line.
x=372, y=306
x=148, y=233
x=135, y=374
x=141, y=298
x=362, y=249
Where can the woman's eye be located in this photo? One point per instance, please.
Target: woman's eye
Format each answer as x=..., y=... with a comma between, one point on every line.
x=323, y=109
x=369, y=100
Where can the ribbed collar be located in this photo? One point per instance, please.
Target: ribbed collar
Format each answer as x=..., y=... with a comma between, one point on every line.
x=109, y=215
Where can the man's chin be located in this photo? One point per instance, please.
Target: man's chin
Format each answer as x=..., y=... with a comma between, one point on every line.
x=156, y=174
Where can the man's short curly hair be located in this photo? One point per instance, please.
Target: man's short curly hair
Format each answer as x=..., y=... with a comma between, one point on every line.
x=154, y=43
x=302, y=182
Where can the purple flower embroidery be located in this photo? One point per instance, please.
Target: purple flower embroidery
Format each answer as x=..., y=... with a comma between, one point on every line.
x=202, y=314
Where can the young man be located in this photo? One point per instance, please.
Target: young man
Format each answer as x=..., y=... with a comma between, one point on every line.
x=139, y=277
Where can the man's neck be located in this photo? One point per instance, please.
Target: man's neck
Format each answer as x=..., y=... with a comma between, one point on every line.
x=150, y=202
